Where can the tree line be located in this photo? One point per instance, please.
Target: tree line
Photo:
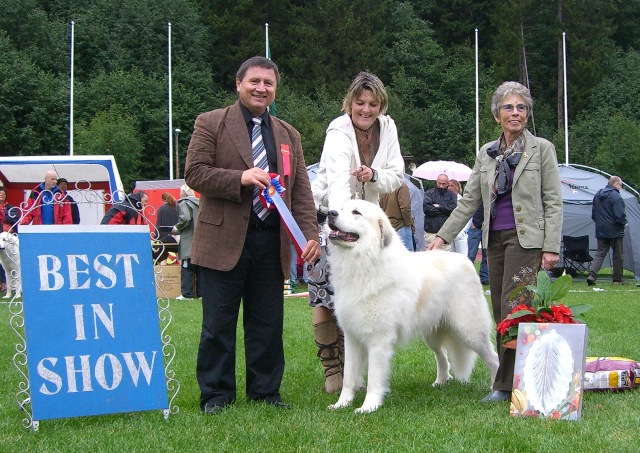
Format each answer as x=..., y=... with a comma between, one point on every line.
x=424, y=51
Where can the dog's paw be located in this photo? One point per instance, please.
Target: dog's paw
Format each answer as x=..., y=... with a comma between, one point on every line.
x=8, y=296
x=341, y=403
x=438, y=382
x=338, y=405
x=371, y=403
x=367, y=408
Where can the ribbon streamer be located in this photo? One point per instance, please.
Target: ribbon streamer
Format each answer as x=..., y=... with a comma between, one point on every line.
x=270, y=198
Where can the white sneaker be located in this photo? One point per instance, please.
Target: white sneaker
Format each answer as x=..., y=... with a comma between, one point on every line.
x=181, y=297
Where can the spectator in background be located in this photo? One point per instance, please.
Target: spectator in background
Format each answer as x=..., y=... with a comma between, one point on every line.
x=296, y=264
x=127, y=212
x=460, y=244
x=9, y=215
x=75, y=212
x=438, y=204
x=45, y=206
x=167, y=218
x=397, y=206
x=7, y=218
x=188, y=209
x=474, y=239
x=609, y=215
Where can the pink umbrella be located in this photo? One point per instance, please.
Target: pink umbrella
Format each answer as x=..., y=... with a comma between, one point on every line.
x=454, y=170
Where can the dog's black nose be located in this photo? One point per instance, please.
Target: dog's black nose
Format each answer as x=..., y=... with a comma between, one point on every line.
x=333, y=214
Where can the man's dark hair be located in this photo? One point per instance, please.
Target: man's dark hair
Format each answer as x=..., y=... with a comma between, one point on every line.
x=260, y=62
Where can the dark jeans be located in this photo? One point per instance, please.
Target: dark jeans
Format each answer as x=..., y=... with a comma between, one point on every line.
x=256, y=280
x=474, y=238
x=510, y=267
x=604, y=244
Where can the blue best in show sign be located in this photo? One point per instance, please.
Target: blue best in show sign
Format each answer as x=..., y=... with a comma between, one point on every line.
x=91, y=321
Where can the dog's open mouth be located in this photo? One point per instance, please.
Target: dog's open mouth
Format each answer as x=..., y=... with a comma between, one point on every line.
x=340, y=235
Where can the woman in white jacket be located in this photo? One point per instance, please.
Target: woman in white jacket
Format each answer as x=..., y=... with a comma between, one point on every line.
x=361, y=159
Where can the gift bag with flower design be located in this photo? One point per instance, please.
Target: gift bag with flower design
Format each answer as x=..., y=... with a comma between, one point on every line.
x=551, y=343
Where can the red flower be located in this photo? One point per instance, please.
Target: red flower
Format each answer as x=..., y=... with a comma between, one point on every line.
x=545, y=317
x=522, y=313
x=562, y=314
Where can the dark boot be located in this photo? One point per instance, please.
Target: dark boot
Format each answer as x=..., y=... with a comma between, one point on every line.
x=327, y=336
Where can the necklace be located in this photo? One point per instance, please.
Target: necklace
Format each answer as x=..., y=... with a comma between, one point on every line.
x=366, y=131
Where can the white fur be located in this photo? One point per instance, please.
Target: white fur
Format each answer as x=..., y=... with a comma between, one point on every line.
x=385, y=295
x=10, y=260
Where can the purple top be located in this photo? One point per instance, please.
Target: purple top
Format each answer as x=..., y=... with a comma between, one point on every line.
x=504, y=219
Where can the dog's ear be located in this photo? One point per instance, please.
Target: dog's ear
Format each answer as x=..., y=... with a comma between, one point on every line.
x=386, y=232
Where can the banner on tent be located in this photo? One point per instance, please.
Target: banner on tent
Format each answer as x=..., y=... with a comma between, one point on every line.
x=91, y=321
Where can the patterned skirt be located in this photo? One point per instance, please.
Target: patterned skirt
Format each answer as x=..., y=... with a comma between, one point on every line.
x=318, y=275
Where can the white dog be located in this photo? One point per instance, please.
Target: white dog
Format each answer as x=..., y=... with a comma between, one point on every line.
x=10, y=259
x=385, y=294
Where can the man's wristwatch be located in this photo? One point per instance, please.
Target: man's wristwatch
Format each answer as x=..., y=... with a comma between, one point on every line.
x=374, y=177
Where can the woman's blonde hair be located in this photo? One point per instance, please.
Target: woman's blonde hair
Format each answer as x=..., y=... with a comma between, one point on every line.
x=456, y=184
x=366, y=81
x=186, y=191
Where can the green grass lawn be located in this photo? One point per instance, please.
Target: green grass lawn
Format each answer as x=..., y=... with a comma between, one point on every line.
x=415, y=416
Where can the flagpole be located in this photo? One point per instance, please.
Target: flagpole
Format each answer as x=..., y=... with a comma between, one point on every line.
x=71, y=93
x=477, y=100
x=267, y=53
x=170, y=109
x=566, y=114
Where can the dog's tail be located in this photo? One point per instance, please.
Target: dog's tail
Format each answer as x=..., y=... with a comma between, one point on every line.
x=461, y=357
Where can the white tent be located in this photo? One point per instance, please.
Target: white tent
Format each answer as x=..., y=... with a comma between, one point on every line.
x=578, y=189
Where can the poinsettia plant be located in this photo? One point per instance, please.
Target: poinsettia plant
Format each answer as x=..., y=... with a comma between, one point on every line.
x=544, y=306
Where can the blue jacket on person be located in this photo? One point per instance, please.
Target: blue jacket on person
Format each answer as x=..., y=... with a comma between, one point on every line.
x=608, y=213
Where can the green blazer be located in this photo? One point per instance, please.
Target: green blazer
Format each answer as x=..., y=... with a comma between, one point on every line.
x=536, y=197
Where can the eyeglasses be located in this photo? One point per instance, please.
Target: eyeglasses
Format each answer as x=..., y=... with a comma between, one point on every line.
x=510, y=107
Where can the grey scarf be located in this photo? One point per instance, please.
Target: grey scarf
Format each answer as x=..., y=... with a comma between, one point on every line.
x=505, y=159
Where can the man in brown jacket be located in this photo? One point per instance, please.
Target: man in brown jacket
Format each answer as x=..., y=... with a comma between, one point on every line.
x=397, y=206
x=242, y=254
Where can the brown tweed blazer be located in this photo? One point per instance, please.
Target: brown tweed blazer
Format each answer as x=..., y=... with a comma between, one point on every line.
x=219, y=151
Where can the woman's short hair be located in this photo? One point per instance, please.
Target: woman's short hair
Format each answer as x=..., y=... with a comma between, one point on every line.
x=456, y=184
x=186, y=191
x=366, y=81
x=260, y=62
x=510, y=88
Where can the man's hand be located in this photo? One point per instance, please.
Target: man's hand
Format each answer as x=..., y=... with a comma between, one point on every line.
x=311, y=252
x=435, y=245
x=255, y=177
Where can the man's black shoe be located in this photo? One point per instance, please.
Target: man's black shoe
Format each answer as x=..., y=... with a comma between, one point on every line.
x=213, y=408
x=279, y=404
x=485, y=282
x=274, y=401
x=591, y=281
